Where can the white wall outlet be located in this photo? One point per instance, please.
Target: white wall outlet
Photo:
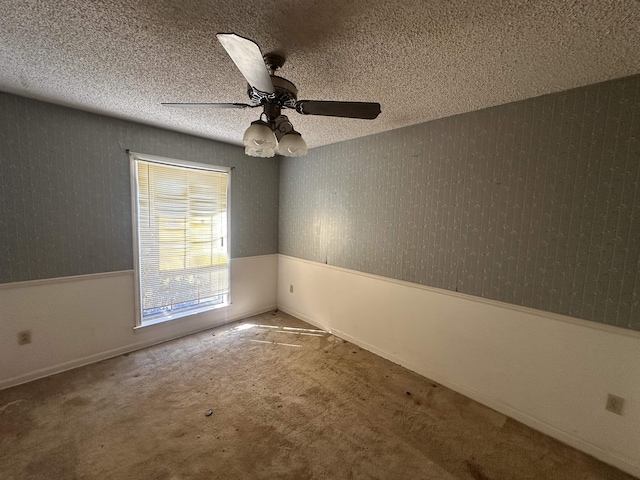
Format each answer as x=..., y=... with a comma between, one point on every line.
x=24, y=337
x=615, y=404
x=291, y=288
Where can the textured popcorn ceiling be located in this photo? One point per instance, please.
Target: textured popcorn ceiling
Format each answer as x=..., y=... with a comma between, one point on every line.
x=420, y=59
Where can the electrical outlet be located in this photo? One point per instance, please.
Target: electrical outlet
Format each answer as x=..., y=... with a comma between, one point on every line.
x=615, y=404
x=291, y=288
x=24, y=337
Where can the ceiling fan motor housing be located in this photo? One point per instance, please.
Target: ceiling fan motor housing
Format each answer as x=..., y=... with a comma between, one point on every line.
x=286, y=93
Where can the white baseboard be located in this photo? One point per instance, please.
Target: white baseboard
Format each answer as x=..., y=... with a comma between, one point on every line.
x=89, y=359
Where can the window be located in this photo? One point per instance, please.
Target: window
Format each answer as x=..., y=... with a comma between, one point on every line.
x=180, y=235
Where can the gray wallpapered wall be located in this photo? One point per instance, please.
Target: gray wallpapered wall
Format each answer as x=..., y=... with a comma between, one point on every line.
x=65, y=198
x=534, y=203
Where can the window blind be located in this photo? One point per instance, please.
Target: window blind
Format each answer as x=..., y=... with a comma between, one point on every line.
x=182, y=236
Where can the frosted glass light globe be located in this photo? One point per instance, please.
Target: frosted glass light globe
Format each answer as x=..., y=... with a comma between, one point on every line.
x=259, y=140
x=292, y=145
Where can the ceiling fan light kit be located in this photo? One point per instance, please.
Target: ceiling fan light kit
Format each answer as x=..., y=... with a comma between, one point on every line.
x=273, y=93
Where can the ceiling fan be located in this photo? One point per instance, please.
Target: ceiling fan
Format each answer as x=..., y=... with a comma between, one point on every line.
x=273, y=93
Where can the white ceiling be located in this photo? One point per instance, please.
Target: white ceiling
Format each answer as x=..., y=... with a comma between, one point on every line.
x=420, y=59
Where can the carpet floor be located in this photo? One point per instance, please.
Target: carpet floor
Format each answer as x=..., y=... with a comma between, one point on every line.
x=270, y=397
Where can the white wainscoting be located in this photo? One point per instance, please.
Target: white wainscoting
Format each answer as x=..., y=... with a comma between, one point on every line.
x=80, y=320
x=548, y=371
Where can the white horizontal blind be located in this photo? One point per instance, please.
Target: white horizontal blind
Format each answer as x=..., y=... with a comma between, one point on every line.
x=182, y=236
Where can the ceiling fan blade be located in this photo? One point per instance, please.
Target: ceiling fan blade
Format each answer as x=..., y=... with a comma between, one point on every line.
x=366, y=110
x=246, y=55
x=209, y=105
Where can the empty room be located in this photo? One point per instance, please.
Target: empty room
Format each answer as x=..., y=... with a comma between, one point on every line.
x=319, y=240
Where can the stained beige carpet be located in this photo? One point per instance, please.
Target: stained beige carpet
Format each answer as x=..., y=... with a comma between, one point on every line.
x=287, y=402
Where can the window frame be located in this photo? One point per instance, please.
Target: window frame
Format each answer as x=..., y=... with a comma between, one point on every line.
x=133, y=157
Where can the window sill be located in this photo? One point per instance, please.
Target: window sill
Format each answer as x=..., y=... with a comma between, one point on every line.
x=186, y=313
